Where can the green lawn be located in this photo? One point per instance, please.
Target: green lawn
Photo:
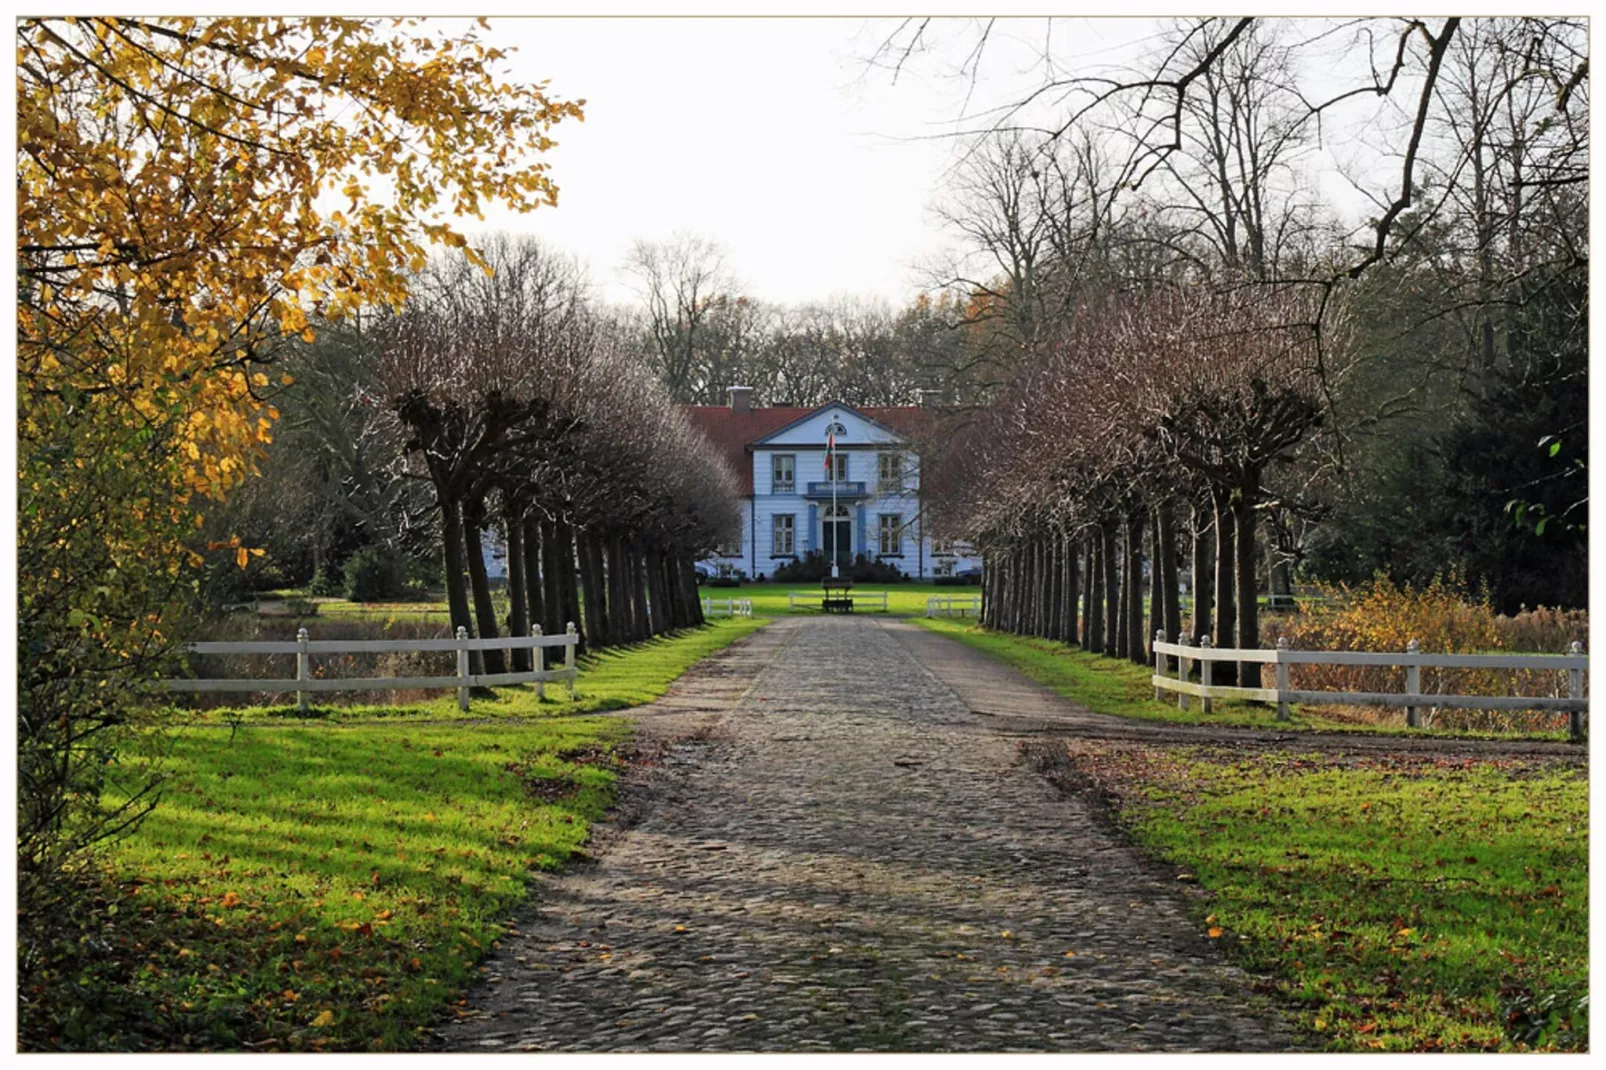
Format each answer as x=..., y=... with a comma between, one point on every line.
x=769, y=600
x=1119, y=687
x=328, y=884
x=1403, y=905
x=903, y=599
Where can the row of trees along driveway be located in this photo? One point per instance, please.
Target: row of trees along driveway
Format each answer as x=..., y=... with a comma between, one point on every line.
x=1147, y=408
x=525, y=411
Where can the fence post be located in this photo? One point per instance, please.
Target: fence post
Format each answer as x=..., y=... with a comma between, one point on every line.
x=1282, y=680
x=462, y=668
x=540, y=660
x=568, y=657
x=1413, y=685
x=1575, y=689
x=1182, y=674
x=303, y=667
x=1159, y=664
x=1204, y=672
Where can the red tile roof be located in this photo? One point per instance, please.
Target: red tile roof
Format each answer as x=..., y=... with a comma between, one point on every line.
x=733, y=432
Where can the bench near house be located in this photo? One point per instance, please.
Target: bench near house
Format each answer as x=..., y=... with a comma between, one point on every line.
x=778, y=453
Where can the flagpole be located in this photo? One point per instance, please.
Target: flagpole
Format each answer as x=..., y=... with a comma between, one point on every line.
x=836, y=539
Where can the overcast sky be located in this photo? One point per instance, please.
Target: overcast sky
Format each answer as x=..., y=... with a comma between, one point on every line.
x=772, y=137
x=778, y=138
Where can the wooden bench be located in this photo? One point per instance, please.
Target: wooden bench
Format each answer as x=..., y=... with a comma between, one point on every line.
x=840, y=601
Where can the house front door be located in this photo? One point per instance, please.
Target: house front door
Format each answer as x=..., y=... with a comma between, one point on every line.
x=836, y=536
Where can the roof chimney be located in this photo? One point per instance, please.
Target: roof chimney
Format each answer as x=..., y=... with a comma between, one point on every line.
x=930, y=399
x=741, y=398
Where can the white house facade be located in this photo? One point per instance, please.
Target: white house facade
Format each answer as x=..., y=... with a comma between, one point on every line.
x=867, y=503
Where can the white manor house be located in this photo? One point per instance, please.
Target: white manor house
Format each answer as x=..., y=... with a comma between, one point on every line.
x=868, y=504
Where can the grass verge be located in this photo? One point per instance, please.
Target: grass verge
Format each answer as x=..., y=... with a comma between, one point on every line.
x=1118, y=687
x=1403, y=904
x=306, y=886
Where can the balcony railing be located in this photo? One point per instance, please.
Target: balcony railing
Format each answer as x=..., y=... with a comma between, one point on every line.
x=844, y=489
x=783, y=487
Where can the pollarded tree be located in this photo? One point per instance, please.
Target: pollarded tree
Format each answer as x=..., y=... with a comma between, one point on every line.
x=1239, y=389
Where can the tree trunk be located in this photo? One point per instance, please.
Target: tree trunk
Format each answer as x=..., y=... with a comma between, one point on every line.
x=480, y=584
x=988, y=598
x=1248, y=607
x=456, y=584
x=1068, y=627
x=1112, y=596
x=1166, y=574
x=518, y=618
x=1137, y=650
x=571, y=589
x=1224, y=672
x=1156, y=621
x=596, y=602
x=532, y=571
x=1090, y=607
x=1203, y=562
x=551, y=588
x=1055, y=608
x=1095, y=594
x=656, y=593
x=641, y=592
x=618, y=605
x=694, y=605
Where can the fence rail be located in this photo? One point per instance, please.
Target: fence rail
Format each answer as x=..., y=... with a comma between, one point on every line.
x=727, y=607
x=304, y=683
x=947, y=605
x=1411, y=659
x=795, y=600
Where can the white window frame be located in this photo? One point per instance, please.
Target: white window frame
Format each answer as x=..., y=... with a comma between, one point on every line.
x=894, y=531
x=941, y=547
x=893, y=460
x=788, y=529
x=841, y=462
x=777, y=484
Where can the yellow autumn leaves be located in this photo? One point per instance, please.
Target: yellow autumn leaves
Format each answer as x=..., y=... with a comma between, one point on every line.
x=168, y=229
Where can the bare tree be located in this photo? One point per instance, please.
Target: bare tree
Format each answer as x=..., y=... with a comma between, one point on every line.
x=682, y=282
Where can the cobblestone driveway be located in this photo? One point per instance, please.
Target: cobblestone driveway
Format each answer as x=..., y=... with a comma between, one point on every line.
x=849, y=859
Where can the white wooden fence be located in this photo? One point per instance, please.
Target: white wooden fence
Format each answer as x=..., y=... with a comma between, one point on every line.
x=796, y=600
x=950, y=605
x=727, y=607
x=305, y=683
x=1412, y=659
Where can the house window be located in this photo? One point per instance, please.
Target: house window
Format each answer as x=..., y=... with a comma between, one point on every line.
x=782, y=467
x=841, y=465
x=891, y=531
x=942, y=547
x=730, y=548
x=891, y=472
x=783, y=533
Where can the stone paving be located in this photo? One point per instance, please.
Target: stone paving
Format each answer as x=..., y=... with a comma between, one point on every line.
x=839, y=855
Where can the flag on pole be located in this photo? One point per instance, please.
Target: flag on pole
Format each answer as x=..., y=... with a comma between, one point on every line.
x=830, y=455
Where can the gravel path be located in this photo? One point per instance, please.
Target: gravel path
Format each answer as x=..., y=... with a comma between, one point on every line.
x=838, y=855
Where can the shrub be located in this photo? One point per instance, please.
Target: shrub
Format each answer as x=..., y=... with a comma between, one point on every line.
x=810, y=568
x=813, y=567
x=374, y=574
x=328, y=582
x=864, y=570
x=1445, y=618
